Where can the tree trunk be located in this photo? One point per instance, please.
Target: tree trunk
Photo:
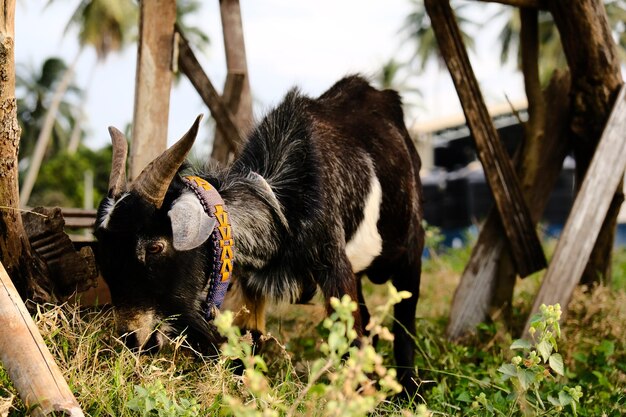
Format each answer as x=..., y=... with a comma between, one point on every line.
x=527, y=164
x=592, y=57
x=224, y=120
x=222, y=150
x=15, y=251
x=46, y=132
x=236, y=63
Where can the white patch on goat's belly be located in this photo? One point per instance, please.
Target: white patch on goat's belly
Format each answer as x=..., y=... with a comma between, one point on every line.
x=366, y=243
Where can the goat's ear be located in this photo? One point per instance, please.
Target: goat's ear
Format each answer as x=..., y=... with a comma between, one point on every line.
x=191, y=226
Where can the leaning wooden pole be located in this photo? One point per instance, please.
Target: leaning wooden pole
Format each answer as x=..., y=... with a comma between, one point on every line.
x=514, y=214
x=28, y=361
x=595, y=66
x=224, y=119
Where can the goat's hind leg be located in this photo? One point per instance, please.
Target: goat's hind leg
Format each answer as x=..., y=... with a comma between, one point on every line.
x=363, y=310
x=406, y=278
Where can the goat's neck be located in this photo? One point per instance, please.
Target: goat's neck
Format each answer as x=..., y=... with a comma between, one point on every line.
x=256, y=217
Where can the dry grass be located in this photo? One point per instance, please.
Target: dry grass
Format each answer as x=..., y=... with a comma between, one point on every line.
x=5, y=405
x=102, y=372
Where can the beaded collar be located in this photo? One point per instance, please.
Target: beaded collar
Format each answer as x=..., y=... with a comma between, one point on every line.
x=221, y=239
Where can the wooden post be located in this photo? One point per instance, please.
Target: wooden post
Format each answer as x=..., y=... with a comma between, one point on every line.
x=189, y=65
x=152, y=82
x=514, y=214
x=590, y=208
x=236, y=63
x=28, y=361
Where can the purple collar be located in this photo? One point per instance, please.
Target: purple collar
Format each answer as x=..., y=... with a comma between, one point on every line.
x=221, y=239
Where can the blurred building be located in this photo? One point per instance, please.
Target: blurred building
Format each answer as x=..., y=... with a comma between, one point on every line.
x=456, y=194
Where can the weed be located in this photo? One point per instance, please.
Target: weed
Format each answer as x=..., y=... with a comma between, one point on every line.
x=153, y=400
x=349, y=380
x=539, y=361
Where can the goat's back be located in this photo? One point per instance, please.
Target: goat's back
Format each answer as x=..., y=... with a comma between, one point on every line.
x=323, y=157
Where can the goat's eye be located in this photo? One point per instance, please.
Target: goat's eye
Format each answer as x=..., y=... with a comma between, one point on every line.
x=155, y=247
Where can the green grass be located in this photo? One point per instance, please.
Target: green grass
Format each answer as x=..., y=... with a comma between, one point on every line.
x=618, y=267
x=457, y=380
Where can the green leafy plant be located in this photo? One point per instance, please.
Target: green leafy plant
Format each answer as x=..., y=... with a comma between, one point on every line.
x=348, y=380
x=153, y=401
x=539, y=361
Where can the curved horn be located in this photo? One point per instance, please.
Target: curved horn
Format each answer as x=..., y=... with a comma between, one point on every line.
x=117, y=179
x=154, y=180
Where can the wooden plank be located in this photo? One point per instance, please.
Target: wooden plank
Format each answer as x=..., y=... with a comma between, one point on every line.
x=522, y=238
x=189, y=65
x=588, y=212
x=79, y=218
x=78, y=212
x=80, y=222
x=594, y=61
x=28, y=361
x=152, y=82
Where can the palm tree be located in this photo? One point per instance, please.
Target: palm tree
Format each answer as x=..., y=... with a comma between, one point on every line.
x=418, y=29
x=394, y=75
x=34, y=89
x=551, y=52
x=104, y=25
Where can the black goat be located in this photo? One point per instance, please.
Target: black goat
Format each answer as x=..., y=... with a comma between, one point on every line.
x=325, y=190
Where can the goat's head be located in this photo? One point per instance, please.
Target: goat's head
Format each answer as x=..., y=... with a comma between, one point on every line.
x=153, y=248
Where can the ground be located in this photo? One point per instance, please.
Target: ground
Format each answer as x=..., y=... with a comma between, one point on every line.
x=456, y=379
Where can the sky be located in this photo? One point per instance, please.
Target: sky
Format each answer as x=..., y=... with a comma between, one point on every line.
x=305, y=43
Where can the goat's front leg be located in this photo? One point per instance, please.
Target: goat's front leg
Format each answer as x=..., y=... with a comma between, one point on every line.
x=336, y=280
